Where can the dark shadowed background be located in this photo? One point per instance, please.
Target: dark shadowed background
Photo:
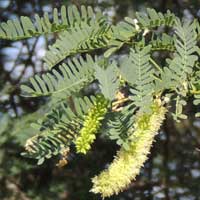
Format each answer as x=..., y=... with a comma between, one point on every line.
x=173, y=169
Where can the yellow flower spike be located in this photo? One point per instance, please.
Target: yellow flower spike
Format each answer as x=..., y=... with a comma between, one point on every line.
x=127, y=164
x=91, y=125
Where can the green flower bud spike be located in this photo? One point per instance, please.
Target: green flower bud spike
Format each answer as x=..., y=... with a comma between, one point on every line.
x=91, y=124
x=127, y=164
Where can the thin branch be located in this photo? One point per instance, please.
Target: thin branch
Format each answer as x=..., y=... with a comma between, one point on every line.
x=155, y=65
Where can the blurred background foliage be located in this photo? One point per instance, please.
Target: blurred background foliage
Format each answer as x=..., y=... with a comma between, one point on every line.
x=173, y=169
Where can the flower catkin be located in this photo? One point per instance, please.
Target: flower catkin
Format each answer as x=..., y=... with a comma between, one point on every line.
x=127, y=164
x=91, y=125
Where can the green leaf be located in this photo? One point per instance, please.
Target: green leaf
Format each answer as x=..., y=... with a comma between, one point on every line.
x=176, y=74
x=110, y=51
x=24, y=27
x=58, y=128
x=68, y=78
x=153, y=19
x=80, y=39
x=40, y=161
x=108, y=80
x=137, y=70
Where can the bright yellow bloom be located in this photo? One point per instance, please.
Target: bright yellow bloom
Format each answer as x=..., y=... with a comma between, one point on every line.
x=127, y=164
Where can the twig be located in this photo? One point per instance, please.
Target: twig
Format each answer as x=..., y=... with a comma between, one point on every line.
x=155, y=65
